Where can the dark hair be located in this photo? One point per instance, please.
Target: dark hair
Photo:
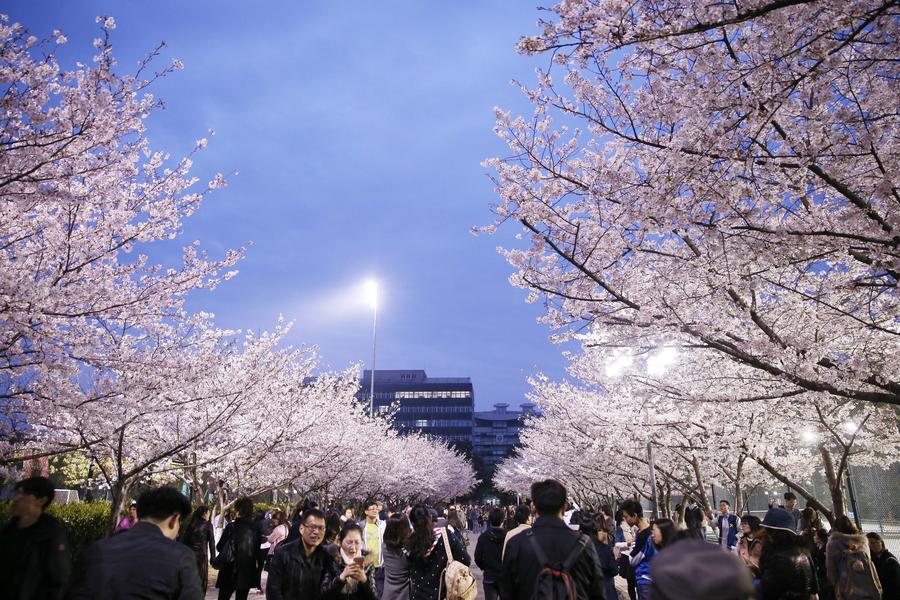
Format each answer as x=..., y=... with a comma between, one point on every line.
x=523, y=513
x=39, y=487
x=823, y=535
x=752, y=521
x=396, y=532
x=278, y=517
x=422, y=537
x=161, y=503
x=588, y=527
x=549, y=496
x=843, y=524
x=454, y=520
x=789, y=496
x=727, y=503
x=370, y=502
x=632, y=507
x=347, y=528
x=311, y=512
x=874, y=535
x=496, y=516
x=193, y=523
x=667, y=529
x=244, y=506
x=333, y=526
x=775, y=543
x=606, y=509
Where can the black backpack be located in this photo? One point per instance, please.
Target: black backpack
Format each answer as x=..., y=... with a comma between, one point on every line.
x=554, y=582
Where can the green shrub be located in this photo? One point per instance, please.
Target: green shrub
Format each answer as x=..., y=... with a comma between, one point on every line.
x=85, y=522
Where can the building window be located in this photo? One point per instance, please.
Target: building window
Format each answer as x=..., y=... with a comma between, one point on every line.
x=421, y=422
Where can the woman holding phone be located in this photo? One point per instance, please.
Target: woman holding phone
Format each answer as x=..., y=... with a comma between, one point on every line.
x=351, y=576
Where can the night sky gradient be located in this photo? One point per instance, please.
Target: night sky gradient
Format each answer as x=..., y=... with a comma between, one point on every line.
x=358, y=129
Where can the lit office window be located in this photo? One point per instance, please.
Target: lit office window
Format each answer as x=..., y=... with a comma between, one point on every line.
x=421, y=422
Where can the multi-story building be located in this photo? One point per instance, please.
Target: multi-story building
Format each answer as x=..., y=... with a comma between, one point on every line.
x=438, y=406
x=496, y=432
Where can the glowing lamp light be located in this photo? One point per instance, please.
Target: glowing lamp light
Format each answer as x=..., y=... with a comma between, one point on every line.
x=371, y=293
x=850, y=427
x=658, y=363
x=809, y=436
x=617, y=364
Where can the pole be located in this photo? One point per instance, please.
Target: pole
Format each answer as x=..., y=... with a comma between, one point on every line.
x=852, y=497
x=372, y=375
x=652, y=466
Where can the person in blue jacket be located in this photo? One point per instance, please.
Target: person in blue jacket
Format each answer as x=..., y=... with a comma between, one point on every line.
x=663, y=535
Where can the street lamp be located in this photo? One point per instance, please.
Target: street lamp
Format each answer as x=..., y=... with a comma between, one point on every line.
x=371, y=295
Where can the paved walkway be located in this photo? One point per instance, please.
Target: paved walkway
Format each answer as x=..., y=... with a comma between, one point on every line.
x=212, y=592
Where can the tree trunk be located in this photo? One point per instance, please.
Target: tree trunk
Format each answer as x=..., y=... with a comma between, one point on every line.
x=811, y=500
x=738, y=476
x=119, y=492
x=835, y=483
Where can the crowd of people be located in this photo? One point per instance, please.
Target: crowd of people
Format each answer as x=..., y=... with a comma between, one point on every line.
x=547, y=547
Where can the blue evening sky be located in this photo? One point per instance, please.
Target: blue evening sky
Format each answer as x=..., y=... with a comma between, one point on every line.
x=358, y=129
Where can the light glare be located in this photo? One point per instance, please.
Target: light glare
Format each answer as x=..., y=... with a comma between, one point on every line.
x=617, y=364
x=662, y=360
x=371, y=293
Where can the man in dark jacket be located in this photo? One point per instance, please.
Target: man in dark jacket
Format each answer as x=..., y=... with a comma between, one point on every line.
x=34, y=552
x=145, y=561
x=488, y=554
x=298, y=568
x=521, y=567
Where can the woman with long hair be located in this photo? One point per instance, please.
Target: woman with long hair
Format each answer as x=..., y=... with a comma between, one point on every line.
x=594, y=529
x=749, y=547
x=197, y=534
x=279, y=533
x=396, y=566
x=786, y=569
x=240, y=540
x=352, y=576
x=333, y=528
x=663, y=533
x=427, y=556
x=459, y=529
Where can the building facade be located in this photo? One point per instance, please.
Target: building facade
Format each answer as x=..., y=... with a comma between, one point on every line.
x=496, y=432
x=437, y=406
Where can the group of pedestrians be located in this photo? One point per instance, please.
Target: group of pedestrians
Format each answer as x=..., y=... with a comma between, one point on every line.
x=547, y=548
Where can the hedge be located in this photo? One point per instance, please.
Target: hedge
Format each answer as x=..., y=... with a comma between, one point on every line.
x=85, y=522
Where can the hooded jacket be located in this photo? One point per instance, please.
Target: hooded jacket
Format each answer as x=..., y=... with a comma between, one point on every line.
x=836, y=561
x=489, y=551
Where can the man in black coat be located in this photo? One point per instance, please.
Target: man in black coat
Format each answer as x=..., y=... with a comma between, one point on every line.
x=488, y=553
x=521, y=567
x=145, y=561
x=34, y=552
x=297, y=568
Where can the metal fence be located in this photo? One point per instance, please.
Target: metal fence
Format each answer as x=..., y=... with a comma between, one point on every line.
x=877, y=499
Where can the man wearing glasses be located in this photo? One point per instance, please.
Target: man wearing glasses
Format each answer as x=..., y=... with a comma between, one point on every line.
x=297, y=567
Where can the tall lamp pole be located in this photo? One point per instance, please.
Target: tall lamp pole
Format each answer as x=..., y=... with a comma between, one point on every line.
x=372, y=297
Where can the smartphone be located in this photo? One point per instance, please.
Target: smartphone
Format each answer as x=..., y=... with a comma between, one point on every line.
x=359, y=560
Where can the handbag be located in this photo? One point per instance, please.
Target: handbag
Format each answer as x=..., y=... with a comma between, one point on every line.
x=225, y=558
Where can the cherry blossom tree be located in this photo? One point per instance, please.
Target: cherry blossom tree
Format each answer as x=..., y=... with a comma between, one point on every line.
x=718, y=176
x=594, y=436
x=83, y=195
x=100, y=357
